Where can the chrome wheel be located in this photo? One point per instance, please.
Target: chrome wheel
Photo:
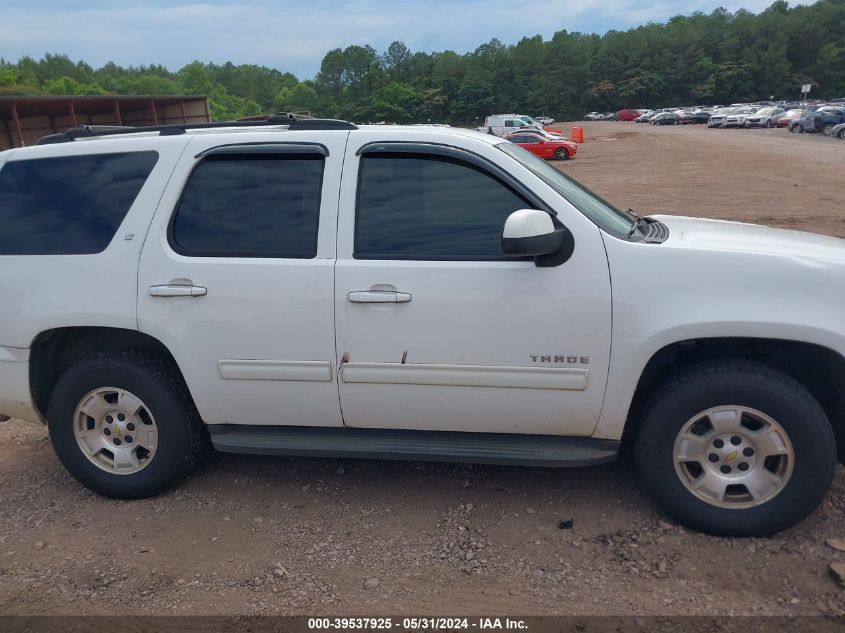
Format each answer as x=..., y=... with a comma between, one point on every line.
x=115, y=430
x=733, y=457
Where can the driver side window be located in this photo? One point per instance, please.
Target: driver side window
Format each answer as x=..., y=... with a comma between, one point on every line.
x=427, y=207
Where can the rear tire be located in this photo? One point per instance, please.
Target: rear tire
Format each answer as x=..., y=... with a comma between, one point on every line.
x=124, y=425
x=703, y=424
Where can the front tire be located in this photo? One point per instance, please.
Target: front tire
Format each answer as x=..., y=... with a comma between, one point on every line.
x=124, y=425
x=827, y=129
x=561, y=153
x=735, y=448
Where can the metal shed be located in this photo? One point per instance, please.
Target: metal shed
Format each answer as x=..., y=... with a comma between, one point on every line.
x=23, y=120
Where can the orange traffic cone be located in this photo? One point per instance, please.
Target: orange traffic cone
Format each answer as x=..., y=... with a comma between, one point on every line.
x=577, y=135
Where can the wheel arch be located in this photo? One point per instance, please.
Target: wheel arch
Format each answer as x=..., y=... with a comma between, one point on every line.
x=819, y=369
x=53, y=351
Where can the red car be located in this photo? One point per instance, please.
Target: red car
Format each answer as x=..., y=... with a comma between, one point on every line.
x=628, y=115
x=543, y=144
x=790, y=115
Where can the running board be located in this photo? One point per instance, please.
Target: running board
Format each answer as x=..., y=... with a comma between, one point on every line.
x=436, y=446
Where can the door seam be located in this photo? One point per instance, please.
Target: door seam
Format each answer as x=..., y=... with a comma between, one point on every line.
x=337, y=358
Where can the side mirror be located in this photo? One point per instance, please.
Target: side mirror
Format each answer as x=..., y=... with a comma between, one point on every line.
x=531, y=233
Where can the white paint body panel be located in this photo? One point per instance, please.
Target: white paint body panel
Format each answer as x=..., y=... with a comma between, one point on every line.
x=42, y=292
x=469, y=314
x=278, y=311
x=714, y=278
x=15, y=398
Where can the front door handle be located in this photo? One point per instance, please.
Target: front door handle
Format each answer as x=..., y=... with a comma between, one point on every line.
x=378, y=296
x=177, y=290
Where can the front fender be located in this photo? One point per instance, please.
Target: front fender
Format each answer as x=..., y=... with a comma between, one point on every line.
x=675, y=291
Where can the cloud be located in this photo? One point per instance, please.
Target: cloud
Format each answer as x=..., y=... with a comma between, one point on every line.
x=291, y=35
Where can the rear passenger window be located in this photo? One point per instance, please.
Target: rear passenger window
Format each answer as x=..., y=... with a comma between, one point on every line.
x=72, y=205
x=424, y=207
x=250, y=206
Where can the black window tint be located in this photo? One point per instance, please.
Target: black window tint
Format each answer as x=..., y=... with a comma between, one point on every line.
x=251, y=206
x=430, y=208
x=71, y=205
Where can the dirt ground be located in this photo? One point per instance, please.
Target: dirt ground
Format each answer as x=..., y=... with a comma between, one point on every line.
x=255, y=535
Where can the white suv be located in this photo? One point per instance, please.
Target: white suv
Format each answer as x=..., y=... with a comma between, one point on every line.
x=310, y=287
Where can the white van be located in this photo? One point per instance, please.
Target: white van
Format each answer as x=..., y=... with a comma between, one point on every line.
x=502, y=124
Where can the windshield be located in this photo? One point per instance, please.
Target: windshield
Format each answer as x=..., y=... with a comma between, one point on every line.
x=604, y=214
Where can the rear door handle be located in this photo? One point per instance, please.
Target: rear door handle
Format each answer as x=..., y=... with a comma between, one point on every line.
x=176, y=290
x=378, y=296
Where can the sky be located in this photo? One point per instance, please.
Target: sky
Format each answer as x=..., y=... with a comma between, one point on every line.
x=293, y=35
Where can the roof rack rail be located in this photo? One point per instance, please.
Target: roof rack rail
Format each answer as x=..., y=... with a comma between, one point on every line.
x=293, y=121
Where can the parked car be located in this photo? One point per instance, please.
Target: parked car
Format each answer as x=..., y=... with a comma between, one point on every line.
x=644, y=118
x=501, y=124
x=737, y=116
x=544, y=120
x=313, y=288
x=685, y=117
x=800, y=125
x=593, y=116
x=544, y=133
x=701, y=116
x=838, y=131
x=665, y=118
x=825, y=119
x=530, y=121
x=766, y=117
x=790, y=115
x=628, y=115
x=717, y=119
x=544, y=147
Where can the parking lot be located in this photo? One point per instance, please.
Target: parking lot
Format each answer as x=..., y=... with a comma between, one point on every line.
x=255, y=535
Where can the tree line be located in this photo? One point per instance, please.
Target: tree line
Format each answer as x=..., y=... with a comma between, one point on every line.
x=720, y=57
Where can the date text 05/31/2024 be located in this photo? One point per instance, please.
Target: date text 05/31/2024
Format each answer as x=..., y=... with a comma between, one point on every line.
x=416, y=624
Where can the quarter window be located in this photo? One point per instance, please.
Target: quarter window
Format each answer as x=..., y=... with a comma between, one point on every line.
x=70, y=205
x=423, y=207
x=250, y=206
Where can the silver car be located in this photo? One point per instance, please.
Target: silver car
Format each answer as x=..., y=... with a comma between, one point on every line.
x=767, y=117
x=718, y=118
x=736, y=118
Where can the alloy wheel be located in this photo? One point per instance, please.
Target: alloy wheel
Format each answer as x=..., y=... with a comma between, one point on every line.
x=115, y=430
x=733, y=457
